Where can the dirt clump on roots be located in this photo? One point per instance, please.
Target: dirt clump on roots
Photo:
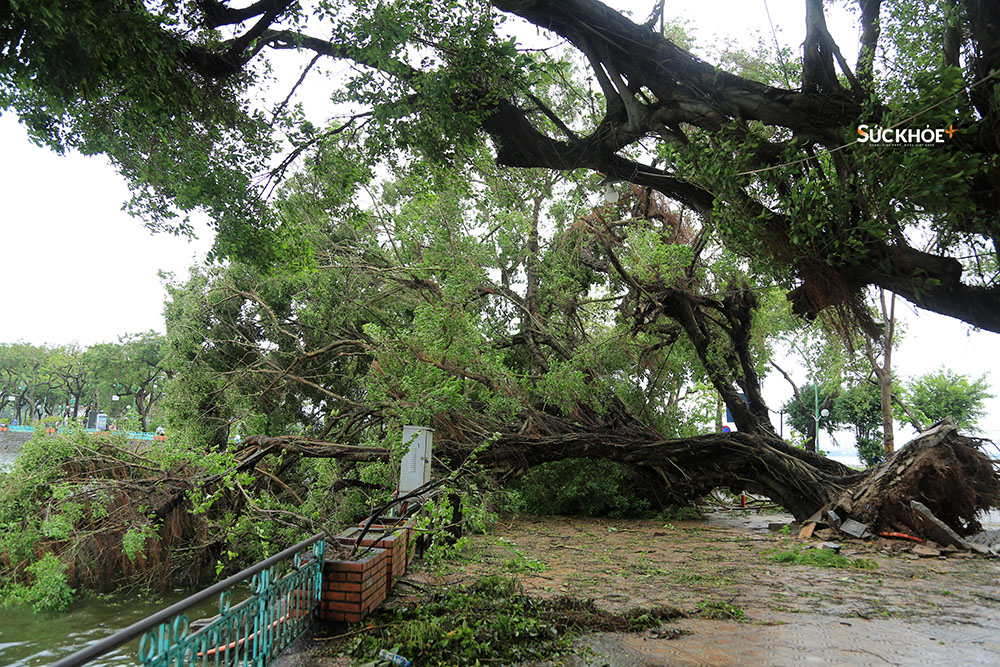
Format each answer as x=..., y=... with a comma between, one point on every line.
x=946, y=472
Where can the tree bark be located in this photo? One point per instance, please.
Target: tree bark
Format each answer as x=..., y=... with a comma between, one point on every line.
x=883, y=370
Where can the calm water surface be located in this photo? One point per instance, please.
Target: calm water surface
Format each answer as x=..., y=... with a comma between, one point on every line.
x=28, y=639
x=7, y=460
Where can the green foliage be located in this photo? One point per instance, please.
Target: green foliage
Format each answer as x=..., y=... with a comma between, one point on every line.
x=49, y=589
x=582, y=487
x=132, y=369
x=54, y=384
x=518, y=562
x=802, y=414
x=860, y=406
x=491, y=620
x=116, y=82
x=720, y=611
x=871, y=450
x=944, y=393
x=819, y=558
x=479, y=504
x=134, y=540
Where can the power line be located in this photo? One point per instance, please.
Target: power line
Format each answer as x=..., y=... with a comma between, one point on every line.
x=777, y=47
x=851, y=143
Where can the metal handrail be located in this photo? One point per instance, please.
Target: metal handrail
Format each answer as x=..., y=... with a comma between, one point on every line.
x=122, y=636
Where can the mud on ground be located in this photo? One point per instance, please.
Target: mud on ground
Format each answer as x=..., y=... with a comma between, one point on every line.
x=907, y=611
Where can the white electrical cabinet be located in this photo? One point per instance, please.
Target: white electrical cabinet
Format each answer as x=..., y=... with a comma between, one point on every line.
x=415, y=470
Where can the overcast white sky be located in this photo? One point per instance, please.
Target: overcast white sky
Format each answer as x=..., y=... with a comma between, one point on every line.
x=75, y=268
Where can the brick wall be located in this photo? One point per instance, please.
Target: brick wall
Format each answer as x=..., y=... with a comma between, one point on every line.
x=394, y=544
x=354, y=588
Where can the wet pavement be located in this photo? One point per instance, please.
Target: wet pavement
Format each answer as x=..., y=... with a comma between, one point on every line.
x=907, y=611
x=801, y=639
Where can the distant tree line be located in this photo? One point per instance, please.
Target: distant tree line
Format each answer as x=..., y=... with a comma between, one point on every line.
x=919, y=403
x=68, y=381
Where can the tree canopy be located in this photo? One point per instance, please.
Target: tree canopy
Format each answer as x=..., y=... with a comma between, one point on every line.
x=944, y=393
x=769, y=152
x=434, y=253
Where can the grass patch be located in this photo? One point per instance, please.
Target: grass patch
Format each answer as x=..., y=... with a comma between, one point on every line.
x=517, y=562
x=720, y=611
x=819, y=558
x=490, y=621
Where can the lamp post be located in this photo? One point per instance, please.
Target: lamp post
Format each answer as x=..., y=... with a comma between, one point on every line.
x=822, y=413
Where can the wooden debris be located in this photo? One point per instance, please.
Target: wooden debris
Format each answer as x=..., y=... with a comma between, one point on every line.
x=807, y=530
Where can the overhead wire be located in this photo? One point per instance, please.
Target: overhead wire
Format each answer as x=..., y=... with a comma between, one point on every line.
x=777, y=47
x=919, y=113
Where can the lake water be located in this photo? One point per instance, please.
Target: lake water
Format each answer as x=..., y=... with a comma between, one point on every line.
x=29, y=640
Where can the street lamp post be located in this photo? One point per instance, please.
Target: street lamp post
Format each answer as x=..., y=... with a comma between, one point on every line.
x=820, y=413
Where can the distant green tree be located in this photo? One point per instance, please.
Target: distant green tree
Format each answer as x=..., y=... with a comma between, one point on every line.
x=131, y=369
x=801, y=411
x=944, y=393
x=860, y=407
x=68, y=363
x=27, y=383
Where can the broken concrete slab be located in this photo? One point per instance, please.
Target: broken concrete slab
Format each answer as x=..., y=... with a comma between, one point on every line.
x=943, y=532
x=854, y=529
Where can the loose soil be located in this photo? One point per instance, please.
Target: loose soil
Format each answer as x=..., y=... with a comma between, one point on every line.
x=907, y=611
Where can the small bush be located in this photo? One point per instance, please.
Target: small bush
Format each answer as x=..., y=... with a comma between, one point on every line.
x=49, y=590
x=582, y=487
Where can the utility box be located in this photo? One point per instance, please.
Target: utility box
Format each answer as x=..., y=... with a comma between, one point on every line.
x=415, y=470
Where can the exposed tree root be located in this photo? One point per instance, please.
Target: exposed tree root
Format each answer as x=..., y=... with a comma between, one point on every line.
x=941, y=469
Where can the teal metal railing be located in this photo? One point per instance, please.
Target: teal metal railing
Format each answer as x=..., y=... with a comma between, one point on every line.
x=252, y=632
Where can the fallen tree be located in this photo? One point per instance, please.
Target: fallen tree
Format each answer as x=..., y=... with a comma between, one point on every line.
x=516, y=376
x=114, y=516
x=448, y=303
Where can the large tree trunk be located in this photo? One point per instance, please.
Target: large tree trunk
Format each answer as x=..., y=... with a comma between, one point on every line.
x=687, y=469
x=945, y=471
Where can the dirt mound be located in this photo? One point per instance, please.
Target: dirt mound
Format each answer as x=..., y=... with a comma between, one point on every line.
x=568, y=612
